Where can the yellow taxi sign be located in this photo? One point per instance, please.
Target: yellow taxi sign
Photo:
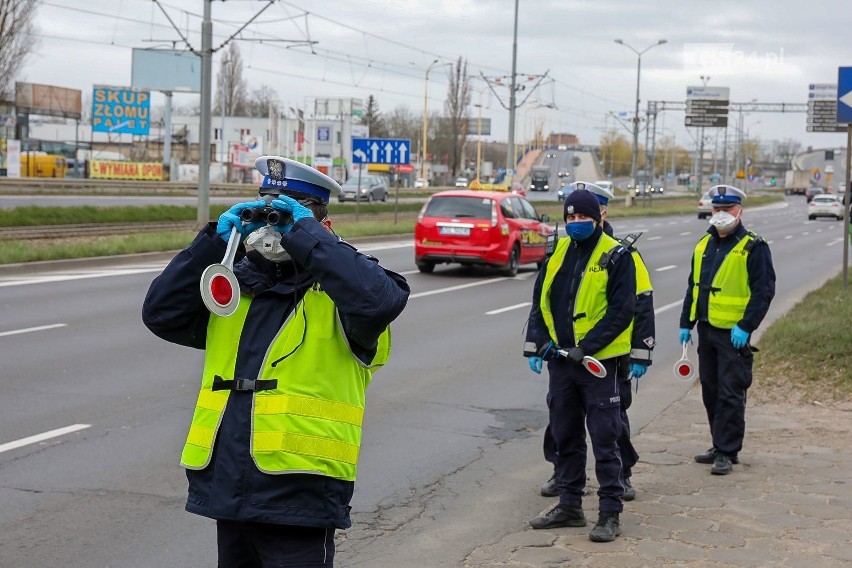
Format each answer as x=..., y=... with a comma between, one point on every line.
x=475, y=184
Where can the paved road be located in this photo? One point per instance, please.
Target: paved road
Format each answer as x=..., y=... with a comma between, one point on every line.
x=454, y=410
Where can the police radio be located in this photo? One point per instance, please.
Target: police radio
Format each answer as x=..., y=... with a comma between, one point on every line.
x=550, y=243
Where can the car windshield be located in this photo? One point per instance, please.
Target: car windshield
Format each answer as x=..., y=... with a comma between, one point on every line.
x=825, y=199
x=475, y=207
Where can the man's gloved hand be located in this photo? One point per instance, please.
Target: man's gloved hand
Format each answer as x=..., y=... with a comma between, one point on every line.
x=231, y=218
x=638, y=370
x=535, y=364
x=685, y=335
x=576, y=354
x=293, y=207
x=739, y=337
x=547, y=351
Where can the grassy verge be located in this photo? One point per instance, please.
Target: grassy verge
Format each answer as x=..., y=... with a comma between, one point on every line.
x=82, y=247
x=805, y=356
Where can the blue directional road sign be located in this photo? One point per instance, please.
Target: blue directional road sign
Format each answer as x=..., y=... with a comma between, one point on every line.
x=844, y=94
x=392, y=151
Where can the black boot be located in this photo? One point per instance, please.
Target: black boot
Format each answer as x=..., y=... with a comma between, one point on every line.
x=550, y=488
x=560, y=516
x=629, y=491
x=721, y=465
x=606, y=529
x=710, y=457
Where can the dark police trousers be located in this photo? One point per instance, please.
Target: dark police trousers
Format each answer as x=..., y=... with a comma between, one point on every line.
x=629, y=455
x=264, y=545
x=725, y=377
x=579, y=400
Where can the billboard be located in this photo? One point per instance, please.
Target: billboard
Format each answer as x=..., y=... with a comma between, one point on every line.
x=108, y=169
x=47, y=100
x=121, y=110
x=166, y=70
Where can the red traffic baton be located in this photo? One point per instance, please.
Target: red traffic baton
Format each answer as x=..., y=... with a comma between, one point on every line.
x=684, y=370
x=220, y=289
x=591, y=364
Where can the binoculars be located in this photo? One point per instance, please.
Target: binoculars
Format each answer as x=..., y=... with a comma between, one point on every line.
x=267, y=214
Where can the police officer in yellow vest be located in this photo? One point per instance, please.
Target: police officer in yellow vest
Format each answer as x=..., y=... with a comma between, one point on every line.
x=633, y=365
x=730, y=287
x=583, y=304
x=272, y=449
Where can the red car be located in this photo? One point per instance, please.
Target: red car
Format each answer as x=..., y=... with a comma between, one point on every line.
x=486, y=228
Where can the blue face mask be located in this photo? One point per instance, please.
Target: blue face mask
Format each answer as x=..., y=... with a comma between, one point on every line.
x=580, y=230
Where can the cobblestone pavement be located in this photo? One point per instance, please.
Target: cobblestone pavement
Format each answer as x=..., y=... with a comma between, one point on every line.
x=787, y=504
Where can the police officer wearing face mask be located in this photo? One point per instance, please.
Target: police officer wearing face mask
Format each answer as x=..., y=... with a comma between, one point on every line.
x=730, y=287
x=583, y=304
x=272, y=449
x=633, y=365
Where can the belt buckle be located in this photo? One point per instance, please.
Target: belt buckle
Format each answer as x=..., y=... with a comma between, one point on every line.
x=244, y=385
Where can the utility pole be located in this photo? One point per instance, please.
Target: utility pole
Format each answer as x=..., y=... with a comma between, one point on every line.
x=203, y=215
x=510, y=148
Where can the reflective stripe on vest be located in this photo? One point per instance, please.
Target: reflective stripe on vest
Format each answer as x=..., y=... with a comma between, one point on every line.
x=726, y=306
x=590, y=300
x=311, y=422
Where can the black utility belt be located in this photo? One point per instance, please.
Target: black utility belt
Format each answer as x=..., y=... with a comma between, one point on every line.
x=250, y=385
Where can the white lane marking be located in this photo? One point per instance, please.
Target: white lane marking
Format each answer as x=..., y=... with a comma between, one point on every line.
x=834, y=242
x=42, y=437
x=673, y=222
x=819, y=230
x=667, y=307
x=508, y=308
x=459, y=287
x=654, y=238
x=806, y=233
x=664, y=268
x=769, y=242
x=386, y=246
x=685, y=233
x=78, y=276
x=31, y=329
x=788, y=237
x=407, y=272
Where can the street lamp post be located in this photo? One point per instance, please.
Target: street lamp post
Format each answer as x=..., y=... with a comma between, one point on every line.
x=636, y=113
x=426, y=118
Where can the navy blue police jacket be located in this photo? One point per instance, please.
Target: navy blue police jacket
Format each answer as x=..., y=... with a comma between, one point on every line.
x=761, y=279
x=620, y=295
x=368, y=298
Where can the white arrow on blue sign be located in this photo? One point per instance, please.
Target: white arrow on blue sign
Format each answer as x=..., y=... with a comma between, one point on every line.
x=844, y=94
x=392, y=151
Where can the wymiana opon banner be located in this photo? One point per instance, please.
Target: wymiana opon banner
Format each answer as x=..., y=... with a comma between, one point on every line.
x=108, y=169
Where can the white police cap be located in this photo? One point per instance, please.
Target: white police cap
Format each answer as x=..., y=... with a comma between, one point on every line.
x=726, y=195
x=282, y=175
x=602, y=193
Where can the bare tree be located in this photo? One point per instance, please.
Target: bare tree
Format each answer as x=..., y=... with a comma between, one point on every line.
x=262, y=102
x=403, y=123
x=17, y=41
x=231, y=84
x=456, y=111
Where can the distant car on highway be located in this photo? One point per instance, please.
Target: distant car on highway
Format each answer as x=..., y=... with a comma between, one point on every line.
x=705, y=208
x=462, y=181
x=563, y=173
x=825, y=206
x=813, y=192
x=562, y=147
x=371, y=188
x=421, y=183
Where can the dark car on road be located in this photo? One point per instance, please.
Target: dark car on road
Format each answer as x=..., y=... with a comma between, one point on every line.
x=368, y=188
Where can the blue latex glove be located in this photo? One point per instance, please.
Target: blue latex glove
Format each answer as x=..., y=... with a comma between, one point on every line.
x=535, y=364
x=294, y=208
x=231, y=218
x=739, y=337
x=638, y=370
x=685, y=335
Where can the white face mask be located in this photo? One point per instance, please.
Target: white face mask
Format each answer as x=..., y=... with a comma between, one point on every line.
x=267, y=241
x=723, y=221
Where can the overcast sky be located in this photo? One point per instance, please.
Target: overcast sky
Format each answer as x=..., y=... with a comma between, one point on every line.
x=768, y=50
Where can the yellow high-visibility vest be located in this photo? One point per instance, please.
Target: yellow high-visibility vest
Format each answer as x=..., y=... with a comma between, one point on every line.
x=591, y=297
x=731, y=292
x=310, y=422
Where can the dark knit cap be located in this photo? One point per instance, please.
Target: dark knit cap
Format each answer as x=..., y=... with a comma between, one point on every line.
x=582, y=201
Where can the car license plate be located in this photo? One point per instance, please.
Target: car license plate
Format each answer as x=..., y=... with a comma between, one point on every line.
x=459, y=231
